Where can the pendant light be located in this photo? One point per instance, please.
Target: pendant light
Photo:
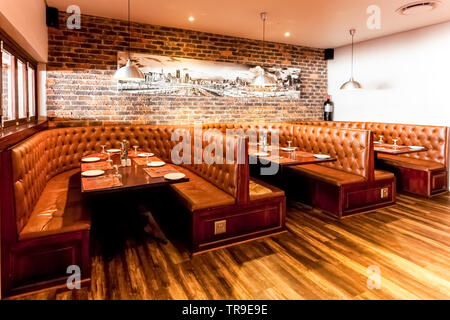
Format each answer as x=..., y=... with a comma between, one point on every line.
x=129, y=72
x=261, y=80
x=351, y=84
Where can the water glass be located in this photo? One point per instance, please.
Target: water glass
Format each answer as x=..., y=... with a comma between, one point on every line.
x=381, y=139
x=395, y=143
x=135, y=150
x=103, y=148
x=117, y=174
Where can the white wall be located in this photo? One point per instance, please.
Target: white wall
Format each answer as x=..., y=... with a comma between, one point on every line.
x=24, y=21
x=406, y=78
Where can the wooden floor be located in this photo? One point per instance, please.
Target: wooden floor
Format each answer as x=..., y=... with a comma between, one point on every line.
x=318, y=258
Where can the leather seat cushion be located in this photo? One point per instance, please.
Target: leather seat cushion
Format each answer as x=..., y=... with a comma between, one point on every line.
x=260, y=190
x=59, y=209
x=197, y=193
x=327, y=174
x=383, y=175
x=412, y=163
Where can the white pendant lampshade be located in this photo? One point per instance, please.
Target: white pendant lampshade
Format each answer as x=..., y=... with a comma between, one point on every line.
x=129, y=72
x=351, y=84
x=261, y=80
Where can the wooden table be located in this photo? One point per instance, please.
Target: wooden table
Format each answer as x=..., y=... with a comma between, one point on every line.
x=391, y=149
x=288, y=158
x=133, y=178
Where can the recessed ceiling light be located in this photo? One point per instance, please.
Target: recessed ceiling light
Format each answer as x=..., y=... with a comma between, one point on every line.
x=418, y=7
x=191, y=18
x=287, y=34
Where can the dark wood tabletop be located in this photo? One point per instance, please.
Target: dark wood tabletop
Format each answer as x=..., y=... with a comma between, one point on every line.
x=288, y=158
x=395, y=150
x=133, y=178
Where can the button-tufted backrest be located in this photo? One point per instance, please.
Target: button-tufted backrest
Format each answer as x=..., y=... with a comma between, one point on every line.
x=51, y=152
x=434, y=138
x=284, y=130
x=351, y=147
x=30, y=166
x=220, y=173
x=336, y=124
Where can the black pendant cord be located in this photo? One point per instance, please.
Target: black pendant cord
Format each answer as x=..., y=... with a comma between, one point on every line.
x=353, y=35
x=129, y=30
x=264, y=41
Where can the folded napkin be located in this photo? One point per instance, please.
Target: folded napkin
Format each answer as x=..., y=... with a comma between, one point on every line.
x=132, y=154
x=160, y=171
x=102, y=182
x=103, y=165
x=143, y=161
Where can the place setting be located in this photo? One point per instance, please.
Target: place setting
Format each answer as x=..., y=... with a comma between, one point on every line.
x=97, y=179
x=164, y=170
x=382, y=147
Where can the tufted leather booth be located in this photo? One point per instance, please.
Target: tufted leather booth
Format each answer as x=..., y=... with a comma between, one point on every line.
x=434, y=138
x=46, y=165
x=284, y=130
x=424, y=173
x=354, y=168
x=50, y=153
x=350, y=147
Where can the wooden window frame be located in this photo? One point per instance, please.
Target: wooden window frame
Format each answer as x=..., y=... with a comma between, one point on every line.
x=18, y=53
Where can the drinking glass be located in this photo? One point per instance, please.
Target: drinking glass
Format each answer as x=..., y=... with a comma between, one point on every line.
x=148, y=161
x=381, y=139
x=135, y=150
x=109, y=157
x=289, y=144
x=117, y=174
x=103, y=148
x=395, y=143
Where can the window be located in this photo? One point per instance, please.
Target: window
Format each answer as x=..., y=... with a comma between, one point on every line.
x=31, y=91
x=17, y=84
x=8, y=110
x=21, y=90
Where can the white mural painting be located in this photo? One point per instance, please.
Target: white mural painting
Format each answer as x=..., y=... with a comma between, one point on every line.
x=174, y=76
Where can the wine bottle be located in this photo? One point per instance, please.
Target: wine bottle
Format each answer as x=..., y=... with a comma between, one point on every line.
x=328, y=109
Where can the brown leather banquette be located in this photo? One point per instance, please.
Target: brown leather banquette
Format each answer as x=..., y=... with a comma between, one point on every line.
x=422, y=173
x=49, y=226
x=347, y=186
x=350, y=184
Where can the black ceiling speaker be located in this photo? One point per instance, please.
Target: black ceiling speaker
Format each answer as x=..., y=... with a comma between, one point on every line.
x=329, y=54
x=52, y=17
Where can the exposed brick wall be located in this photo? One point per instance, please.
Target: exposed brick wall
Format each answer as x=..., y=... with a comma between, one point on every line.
x=82, y=62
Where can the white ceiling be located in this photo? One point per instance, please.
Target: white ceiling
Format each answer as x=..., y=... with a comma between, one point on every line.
x=315, y=23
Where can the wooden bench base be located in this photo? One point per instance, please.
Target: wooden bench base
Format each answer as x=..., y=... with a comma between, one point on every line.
x=242, y=222
x=418, y=182
x=43, y=262
x=343, y=201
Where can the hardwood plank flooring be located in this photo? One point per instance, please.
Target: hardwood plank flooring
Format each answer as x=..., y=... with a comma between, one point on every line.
x=318, y=258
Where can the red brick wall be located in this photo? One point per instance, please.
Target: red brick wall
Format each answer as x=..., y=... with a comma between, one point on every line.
x=82, y=62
